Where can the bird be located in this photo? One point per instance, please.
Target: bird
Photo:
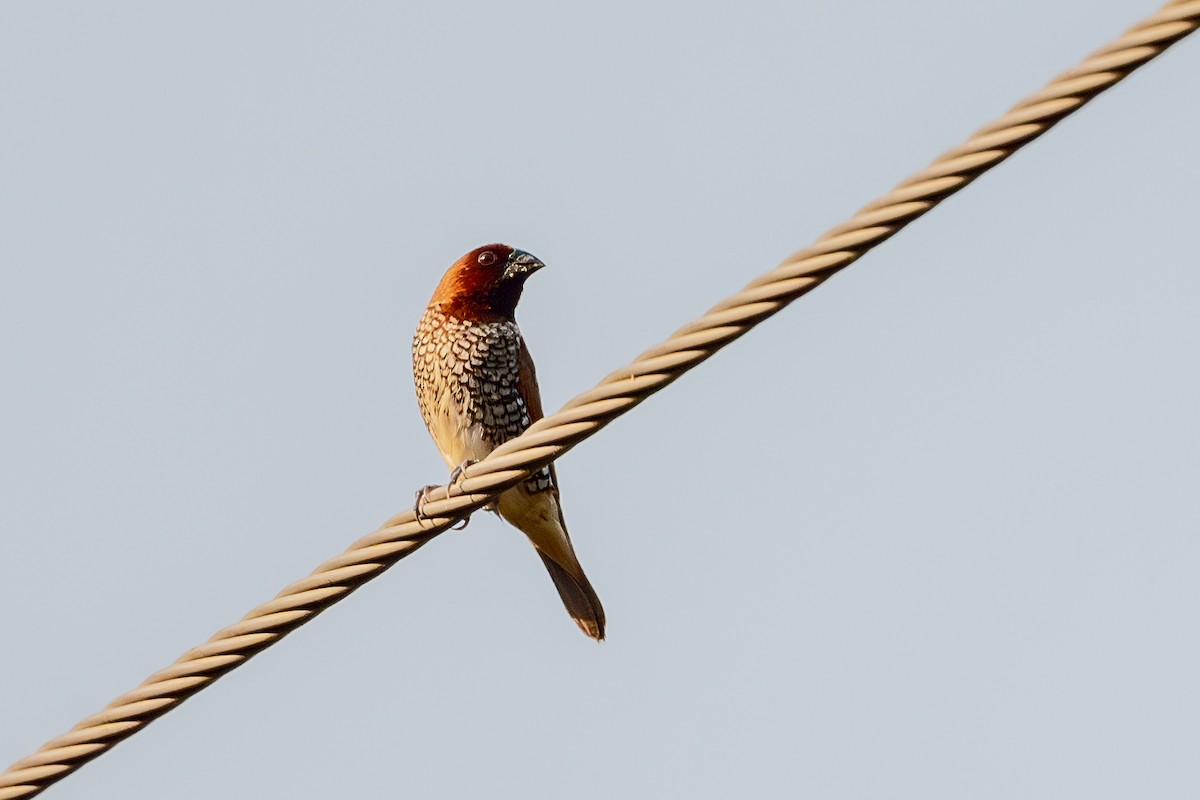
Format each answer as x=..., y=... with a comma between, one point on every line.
x=477, y=388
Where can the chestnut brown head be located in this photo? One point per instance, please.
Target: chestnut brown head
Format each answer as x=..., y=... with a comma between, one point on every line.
x=486, y=282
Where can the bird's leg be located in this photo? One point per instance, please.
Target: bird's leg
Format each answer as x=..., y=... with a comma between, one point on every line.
x=422, y=499
x=419, y=507
x=456, y=476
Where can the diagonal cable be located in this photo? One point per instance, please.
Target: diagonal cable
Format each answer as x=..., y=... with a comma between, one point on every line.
x=583, y=416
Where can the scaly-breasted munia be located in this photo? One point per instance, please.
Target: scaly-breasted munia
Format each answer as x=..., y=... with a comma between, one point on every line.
x=477, y=389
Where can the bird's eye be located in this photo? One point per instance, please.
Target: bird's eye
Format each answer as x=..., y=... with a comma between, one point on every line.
x=487, y=257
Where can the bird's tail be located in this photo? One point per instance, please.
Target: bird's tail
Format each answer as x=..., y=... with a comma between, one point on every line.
x=539, y=516
x=578, y=596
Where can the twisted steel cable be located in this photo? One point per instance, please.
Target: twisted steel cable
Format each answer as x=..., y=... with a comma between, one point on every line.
x=583, y=416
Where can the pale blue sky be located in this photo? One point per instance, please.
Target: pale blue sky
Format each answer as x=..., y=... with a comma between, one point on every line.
x=931, y=533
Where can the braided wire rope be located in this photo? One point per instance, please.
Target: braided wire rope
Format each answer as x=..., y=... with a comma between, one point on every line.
x=587, y=413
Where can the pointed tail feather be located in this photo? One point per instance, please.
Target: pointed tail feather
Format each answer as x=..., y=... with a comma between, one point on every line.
x=539, y=516
x=579, y=597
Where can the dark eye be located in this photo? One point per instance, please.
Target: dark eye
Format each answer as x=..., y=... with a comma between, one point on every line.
x=487, y=257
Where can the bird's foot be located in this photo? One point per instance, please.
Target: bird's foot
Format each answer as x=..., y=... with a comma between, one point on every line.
x=456, y=476
x=419, y=507
x=422, y=499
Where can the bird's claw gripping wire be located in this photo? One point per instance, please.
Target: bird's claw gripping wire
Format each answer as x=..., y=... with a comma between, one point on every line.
x=419, y=504
x=456, y=476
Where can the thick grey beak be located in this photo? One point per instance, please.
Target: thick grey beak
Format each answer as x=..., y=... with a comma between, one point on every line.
x=521, y=265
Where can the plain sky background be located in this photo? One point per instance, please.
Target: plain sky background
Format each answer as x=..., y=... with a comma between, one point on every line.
x=930, y=533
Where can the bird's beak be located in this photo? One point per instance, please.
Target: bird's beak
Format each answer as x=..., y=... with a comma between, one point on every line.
x=521, y=265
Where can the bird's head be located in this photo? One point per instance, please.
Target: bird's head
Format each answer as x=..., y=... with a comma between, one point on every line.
x=486, y=282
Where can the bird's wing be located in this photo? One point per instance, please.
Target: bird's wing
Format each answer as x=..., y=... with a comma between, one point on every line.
x=539, y=514
x=527, y=385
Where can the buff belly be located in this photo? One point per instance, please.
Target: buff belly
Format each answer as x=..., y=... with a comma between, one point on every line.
x=456, y=437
